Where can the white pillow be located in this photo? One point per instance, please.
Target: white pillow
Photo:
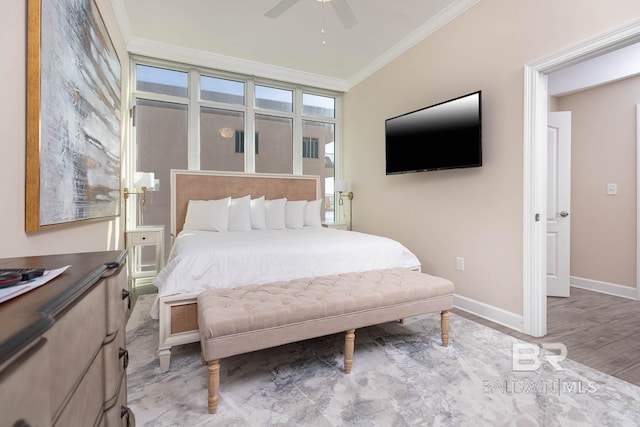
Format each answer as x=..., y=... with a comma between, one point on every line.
x=294, y=213
x=312, y=213
x=258, y=218
x=208, y=215
x=240, y=214
x=275, y=213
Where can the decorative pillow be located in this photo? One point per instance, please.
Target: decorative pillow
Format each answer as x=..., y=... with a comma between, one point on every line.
x=294, y=213
x=312, y=214
x=240, y=214
x=208, y=215
x=258, y=218
x=275, y=213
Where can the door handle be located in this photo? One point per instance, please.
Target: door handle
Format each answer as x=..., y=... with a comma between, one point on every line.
x=564, y=214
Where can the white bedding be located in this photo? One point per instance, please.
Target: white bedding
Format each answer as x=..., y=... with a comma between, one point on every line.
x=202, y=260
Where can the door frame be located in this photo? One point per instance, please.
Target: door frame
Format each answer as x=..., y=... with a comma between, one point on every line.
x=638, y=202
x=534, y=306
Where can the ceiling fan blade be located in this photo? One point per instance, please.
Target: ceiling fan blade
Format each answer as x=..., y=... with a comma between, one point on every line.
x=344, y=12
x=280, y=8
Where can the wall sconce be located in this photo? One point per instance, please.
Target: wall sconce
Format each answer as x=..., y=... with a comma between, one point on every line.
x=145, y=181
x=226, y=132
x=340, y=187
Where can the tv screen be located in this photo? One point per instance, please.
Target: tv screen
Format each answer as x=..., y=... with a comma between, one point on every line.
x=447, y=135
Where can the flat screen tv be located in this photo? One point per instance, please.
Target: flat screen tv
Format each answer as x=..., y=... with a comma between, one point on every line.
x=447, y=135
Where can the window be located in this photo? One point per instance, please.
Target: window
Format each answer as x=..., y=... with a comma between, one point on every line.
x=271, y=98
x=218, y=130
x=240, y=142
x=309, y=148
x=194, y=118
x=316, y=105
x=161, y=80
x=276, y=140
x=221, y=90
x=318, y=147
x=161, y=144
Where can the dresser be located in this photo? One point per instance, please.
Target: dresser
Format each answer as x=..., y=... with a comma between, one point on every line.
x=63, y=355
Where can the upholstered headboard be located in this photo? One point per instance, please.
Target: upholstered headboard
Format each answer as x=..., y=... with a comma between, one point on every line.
x=211, y=185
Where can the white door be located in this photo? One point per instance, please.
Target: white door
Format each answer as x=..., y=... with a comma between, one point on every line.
x=558, y=203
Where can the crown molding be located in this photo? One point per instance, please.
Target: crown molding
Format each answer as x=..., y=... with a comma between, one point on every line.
x=440, y=20
x=159, y=50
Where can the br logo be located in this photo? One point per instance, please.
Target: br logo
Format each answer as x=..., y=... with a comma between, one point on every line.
x=529, y=357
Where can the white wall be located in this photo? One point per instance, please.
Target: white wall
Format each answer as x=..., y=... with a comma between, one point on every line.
x=472, y=213
x=14, y=241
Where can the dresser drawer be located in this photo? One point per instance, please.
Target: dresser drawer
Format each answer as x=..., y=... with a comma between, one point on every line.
x=119, y=414
x=74, y=341
x=23, y=400
x=116, y=359
x=117, y=299
x=86, y=404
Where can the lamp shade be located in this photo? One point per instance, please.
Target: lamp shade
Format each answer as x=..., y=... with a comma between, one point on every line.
x=144, y=179
x=340, y=185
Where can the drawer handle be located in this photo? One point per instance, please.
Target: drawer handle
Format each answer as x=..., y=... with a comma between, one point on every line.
x=126, y=294
x=126, y=412
x=122, y=353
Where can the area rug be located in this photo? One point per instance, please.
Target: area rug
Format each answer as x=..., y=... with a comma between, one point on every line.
x=401, y=376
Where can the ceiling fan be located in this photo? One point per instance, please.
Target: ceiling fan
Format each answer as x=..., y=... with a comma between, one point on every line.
x=341, y=7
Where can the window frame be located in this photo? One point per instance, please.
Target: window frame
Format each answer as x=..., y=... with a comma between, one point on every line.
x=194, y=103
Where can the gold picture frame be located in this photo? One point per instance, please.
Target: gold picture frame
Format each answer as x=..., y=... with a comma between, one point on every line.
x=73, y=148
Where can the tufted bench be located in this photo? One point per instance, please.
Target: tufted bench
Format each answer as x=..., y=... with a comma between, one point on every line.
x=248, y=318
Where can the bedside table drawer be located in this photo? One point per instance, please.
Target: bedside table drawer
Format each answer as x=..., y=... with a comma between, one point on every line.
x=144, y=238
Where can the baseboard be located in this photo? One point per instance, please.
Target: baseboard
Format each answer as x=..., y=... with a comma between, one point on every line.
x=604, y=287
x=489, y=312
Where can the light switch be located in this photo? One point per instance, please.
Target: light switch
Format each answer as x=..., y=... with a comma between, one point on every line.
x=612, y=189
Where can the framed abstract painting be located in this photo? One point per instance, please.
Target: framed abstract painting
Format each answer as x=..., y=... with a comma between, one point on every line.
x=73, y=116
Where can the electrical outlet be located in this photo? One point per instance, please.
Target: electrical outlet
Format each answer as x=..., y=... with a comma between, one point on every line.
x=459, y=263
x=612, y=189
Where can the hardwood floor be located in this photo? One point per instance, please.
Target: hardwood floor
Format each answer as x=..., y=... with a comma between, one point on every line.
x=600, y=331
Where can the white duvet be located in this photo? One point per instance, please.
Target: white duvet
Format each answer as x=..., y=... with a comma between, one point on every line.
x=202, y=260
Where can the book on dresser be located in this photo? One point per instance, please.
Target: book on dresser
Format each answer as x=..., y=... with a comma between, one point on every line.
x=63, y=354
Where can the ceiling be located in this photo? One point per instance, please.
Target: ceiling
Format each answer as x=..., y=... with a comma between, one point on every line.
x=236, y=35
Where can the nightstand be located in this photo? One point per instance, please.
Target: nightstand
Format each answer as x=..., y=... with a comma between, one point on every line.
x=336, y=225
x=152, y=235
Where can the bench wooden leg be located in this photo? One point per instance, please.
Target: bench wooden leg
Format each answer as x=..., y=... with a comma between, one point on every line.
x=444, y=324
x=213, y=385
x=349, y=338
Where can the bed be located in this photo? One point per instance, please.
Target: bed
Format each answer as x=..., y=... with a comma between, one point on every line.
x=204, y=259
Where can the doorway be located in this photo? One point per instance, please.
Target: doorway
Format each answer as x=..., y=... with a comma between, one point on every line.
x=535, y=167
